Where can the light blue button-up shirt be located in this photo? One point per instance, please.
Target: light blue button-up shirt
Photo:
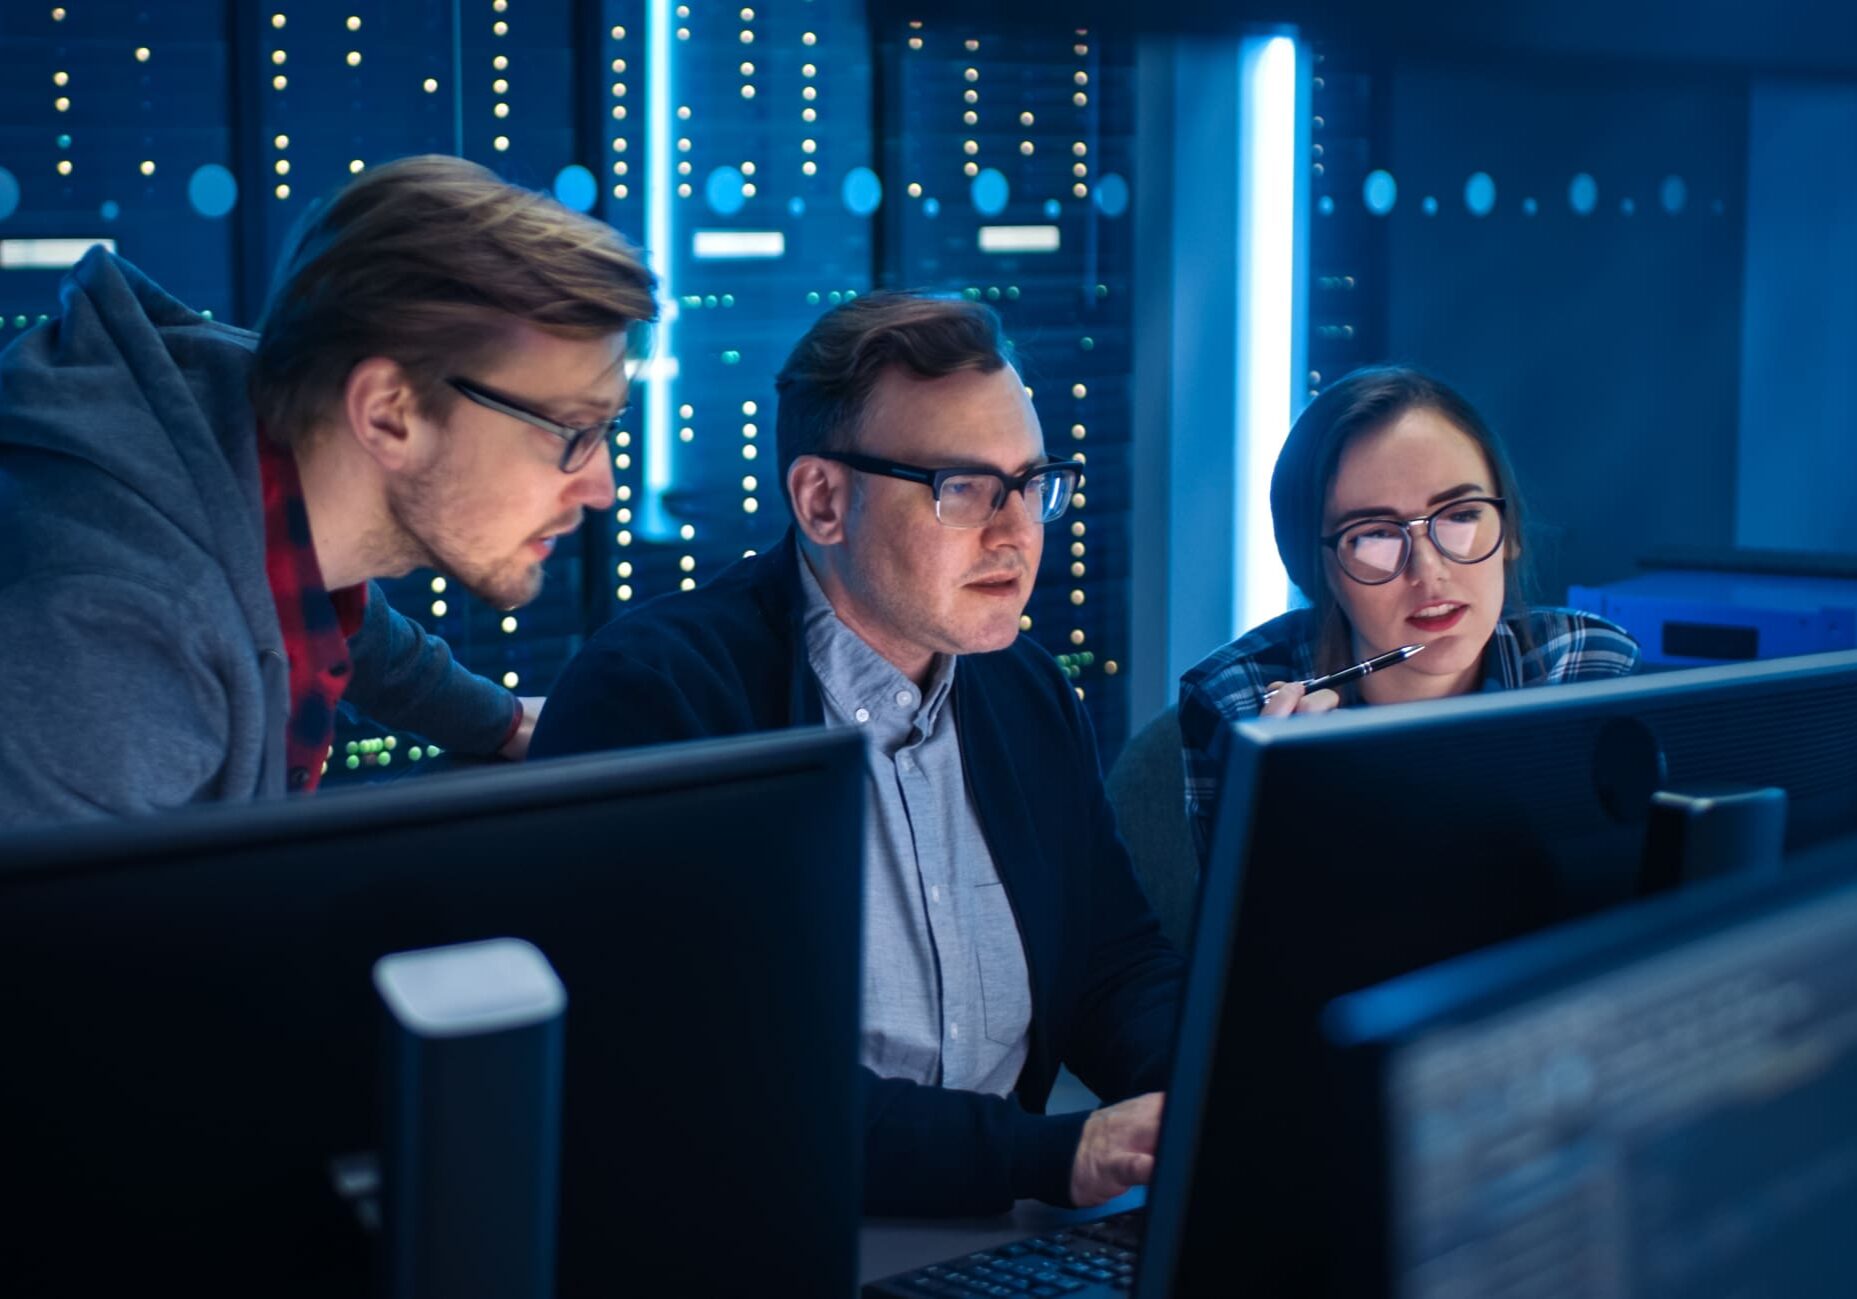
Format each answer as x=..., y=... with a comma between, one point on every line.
x=947, y=1000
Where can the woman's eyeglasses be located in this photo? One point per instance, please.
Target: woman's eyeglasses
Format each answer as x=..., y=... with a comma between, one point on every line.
x=1375, y=551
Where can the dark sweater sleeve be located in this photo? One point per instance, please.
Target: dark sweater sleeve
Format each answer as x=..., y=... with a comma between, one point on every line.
x=610, y=699
x=1121, y=1040
x=936, y=1151
x=406, y=678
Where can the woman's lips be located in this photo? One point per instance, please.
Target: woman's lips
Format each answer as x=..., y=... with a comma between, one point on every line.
x=1440, y=622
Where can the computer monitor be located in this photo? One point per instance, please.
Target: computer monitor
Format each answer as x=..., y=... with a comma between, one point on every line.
x=191, y=1034
x=1357, y=846
x=1654, y=1102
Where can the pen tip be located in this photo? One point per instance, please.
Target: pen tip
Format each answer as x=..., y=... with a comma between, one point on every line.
x=1410, y=650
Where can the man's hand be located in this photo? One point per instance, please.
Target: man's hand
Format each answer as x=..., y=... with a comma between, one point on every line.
x=1291, y=699
x=517, y=748
x=1117, y=1150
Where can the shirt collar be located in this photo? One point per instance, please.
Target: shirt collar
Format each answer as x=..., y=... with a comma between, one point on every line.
x=854, y=677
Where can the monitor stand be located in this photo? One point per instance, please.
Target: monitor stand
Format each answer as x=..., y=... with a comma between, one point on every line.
x=1706, y=832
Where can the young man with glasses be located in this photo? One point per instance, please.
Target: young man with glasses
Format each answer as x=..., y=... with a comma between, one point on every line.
x=1398, y=516
x=1004, y=932
x=191, y=515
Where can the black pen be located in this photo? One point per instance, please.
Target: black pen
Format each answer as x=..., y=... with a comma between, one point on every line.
x=1356, y=672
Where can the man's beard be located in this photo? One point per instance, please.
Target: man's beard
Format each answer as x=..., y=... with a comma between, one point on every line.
x=435, y=534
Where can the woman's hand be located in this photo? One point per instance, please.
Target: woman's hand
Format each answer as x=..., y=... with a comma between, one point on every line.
x=1291, y=699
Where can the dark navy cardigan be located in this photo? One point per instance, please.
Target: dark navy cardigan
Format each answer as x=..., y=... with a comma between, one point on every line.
x=728, y=659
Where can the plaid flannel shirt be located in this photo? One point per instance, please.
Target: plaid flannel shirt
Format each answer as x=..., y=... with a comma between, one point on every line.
x=1228, y=685
x=316, y=622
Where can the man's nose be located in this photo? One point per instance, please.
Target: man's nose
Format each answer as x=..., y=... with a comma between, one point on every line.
x=593, y=482
x=1013, y=520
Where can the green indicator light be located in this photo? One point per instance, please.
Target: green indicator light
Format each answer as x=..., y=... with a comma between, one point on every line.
x=385, y=758
x=354, y=761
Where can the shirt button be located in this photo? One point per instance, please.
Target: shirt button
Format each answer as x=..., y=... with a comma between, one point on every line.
x=904, y=698
x=934, y=893
x=862, y=714
x=906, y=762
x=954, y=1031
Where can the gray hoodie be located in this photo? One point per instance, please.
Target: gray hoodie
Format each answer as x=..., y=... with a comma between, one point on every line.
x=141, y=664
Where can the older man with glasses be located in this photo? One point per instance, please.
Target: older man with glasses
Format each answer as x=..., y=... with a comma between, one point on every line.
x=1004, y=932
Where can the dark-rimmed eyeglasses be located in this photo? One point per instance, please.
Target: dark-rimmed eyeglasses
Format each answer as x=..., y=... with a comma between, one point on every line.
x=1375, y=551
x=969, y=497
x=578, y=444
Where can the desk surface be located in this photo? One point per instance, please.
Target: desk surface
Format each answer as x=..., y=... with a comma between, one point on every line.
x=887, y=1246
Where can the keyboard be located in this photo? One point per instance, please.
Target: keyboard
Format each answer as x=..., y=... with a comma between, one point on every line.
x=1092, y=1260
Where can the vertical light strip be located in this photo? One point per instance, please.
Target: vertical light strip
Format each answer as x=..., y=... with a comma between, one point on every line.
x=662, y=371
x=457, y=77
x=1268, y=288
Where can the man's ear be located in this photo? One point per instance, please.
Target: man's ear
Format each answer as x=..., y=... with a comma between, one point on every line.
x=378, y=403
x=821, y=494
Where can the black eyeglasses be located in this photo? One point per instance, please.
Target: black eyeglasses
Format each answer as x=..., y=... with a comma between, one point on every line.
x=1375, y=551
x=968, y=497
x=579, y=443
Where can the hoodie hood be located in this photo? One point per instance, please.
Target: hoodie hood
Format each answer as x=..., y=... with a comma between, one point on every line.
x=126, y=417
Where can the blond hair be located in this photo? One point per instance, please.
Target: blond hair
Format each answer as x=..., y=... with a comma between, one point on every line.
x=428, y=261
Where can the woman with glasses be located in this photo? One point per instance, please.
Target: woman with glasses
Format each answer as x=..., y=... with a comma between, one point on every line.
x=1397, y=515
